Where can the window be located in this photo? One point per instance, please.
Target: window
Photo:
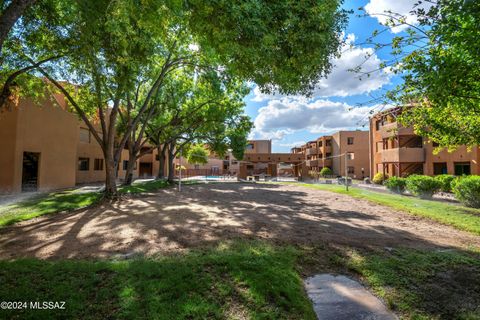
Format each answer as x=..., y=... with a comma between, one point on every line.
x=440, y=168
x=351, y=170
x=350, y=140
x=197, y=166
x=462, y=168
x=84, y=135
x=125, y=164
x=328, y=155
x=377, y=125
x=320, y=143
x=435, y=144
x=328, y=143
x=350, y=155
x=98, y=164
x=250, y=146
x=83, y=164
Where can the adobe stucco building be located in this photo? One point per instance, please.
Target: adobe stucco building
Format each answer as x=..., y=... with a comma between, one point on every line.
x=45, y=147
x=398, y=151
x=329, y=151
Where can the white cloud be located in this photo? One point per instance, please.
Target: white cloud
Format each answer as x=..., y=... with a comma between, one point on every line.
x=342, y=82
x=292, y=144
x=377, y=9
x=286, y=116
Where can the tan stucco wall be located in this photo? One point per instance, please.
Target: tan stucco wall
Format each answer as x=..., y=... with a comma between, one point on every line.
x=8, y=139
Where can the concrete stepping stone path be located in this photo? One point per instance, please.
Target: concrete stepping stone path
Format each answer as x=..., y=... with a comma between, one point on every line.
x=339, y=297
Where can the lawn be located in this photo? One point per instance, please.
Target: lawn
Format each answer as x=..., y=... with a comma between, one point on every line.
x=234, y=280
x=242, y=280
x=65, y=201
x=416, y=284
x=460, y=217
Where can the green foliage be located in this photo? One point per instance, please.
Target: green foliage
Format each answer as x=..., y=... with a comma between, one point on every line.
x=445, y=181
x=422, y=186
x=326, y=172
x=284, y=45
x=379, y=178
x=396, y=184
x=467, y=190
x=197, y=155
x=438, y=59
x=256, y=279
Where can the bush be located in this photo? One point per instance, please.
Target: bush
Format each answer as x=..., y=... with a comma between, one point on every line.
x=326, y=172
x=445, y=181
x=422, y=186
x=396, y=184
x=467, y=191
x=379, y=178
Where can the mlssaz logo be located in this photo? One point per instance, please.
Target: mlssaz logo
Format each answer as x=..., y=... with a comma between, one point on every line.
x=49, y=305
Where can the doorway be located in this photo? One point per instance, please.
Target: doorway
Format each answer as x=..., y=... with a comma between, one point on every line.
x=145, y=170
x=30, y=171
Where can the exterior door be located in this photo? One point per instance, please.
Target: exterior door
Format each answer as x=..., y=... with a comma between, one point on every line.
x=30, y=171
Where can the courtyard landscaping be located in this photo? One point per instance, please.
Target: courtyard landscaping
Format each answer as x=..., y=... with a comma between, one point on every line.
x=238, y=251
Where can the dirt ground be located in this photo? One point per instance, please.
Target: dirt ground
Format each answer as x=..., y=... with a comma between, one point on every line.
x=170, y=221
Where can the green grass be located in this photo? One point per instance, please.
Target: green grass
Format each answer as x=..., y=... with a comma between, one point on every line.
x=65, y=201
x=46, y=204
x=423, y=285
x=460, y=217
x=143, y=187
x=235, y=279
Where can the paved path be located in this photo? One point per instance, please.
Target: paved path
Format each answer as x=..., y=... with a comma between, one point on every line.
x=339, y=297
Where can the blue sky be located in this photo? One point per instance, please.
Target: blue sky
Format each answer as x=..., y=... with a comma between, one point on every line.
x=338, y=103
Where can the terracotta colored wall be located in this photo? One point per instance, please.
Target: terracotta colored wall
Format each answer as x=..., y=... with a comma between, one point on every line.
x=8, y=139
x=50, y=131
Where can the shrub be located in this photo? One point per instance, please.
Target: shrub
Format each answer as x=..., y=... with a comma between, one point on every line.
x=326, y=171
x=467, y=191
x=445, y=181
x=396, y=184
x=422, y=186
x=379, y=178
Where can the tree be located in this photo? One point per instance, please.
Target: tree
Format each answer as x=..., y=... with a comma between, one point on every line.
x=439, y=60
x=115, y=49
x=10, y=13
x=197, y=154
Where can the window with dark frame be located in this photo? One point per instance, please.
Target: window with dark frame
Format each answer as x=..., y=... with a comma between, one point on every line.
x=83, y=164
x=440, y=168
x=125, y=165
x=351, y=170
x=98, y=164
x=462, y=168
x=350, y=140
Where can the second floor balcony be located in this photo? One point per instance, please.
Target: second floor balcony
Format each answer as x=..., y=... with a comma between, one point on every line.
x=398, y=155
x=394, y=129
x=311, y=151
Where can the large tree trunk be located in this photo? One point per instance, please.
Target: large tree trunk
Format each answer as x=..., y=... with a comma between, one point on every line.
x=110, y=177
x=171, y=165
x=130, y=167
x=10, y=15
x=161, y=161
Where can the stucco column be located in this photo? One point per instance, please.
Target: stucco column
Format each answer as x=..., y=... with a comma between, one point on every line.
x=242, y=172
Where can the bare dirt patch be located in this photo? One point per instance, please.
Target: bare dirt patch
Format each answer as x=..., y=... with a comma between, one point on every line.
x=171, y=221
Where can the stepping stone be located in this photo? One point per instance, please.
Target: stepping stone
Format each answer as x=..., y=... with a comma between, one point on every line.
x=339, y=297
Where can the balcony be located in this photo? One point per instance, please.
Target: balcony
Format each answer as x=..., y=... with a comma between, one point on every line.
x=327, y=163
x=327, y=149
x=312, y=163
x=394, y=129
x=403, y=155
x=311, y=151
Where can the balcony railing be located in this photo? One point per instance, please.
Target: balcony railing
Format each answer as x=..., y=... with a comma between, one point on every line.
x=403, y=155
x=394, y=129
x=312, y=163
x=312, y=151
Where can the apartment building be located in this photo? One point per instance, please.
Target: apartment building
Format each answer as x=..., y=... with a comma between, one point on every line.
x=328, y=151
x=44, y=147
x=228, y=165
x=397, y=151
